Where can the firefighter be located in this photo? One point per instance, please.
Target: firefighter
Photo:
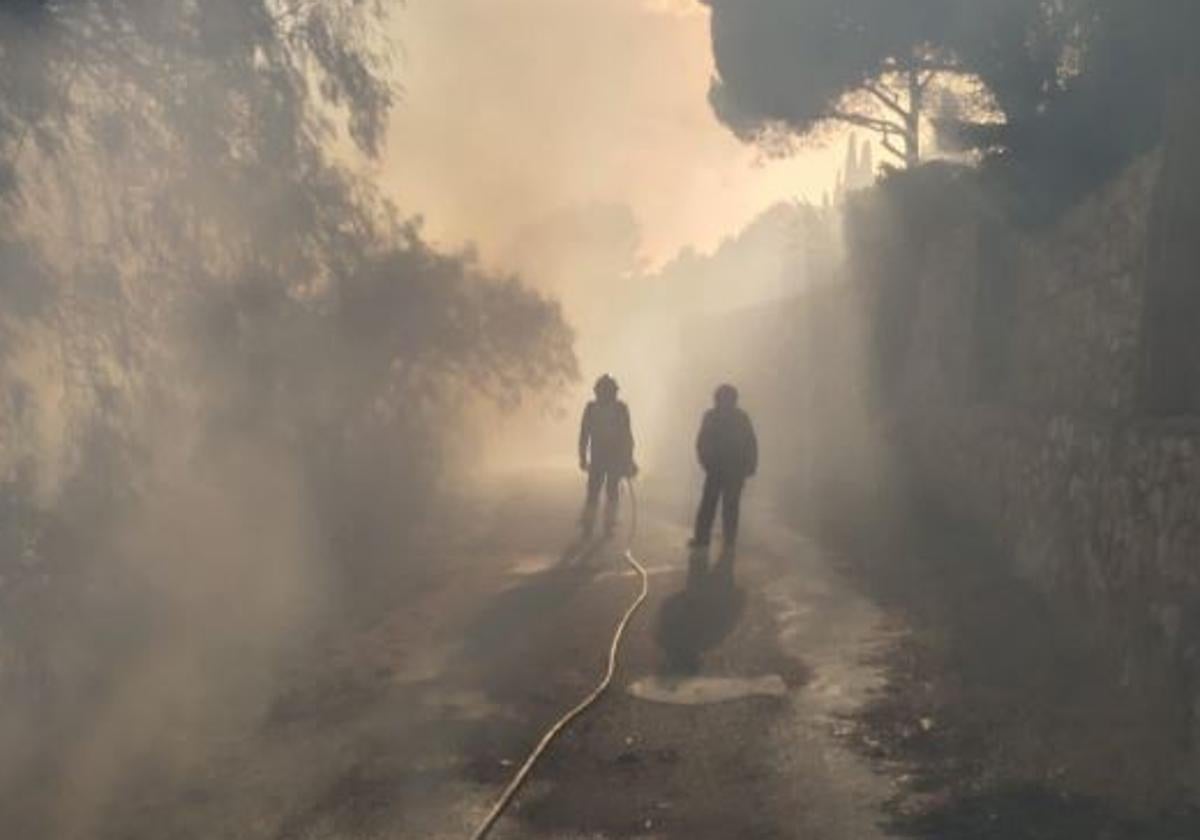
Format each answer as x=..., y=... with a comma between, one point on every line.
x=728, y=451
x=605, y=452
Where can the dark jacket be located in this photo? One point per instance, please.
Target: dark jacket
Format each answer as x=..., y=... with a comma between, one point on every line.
x=727, y=444
x=606, y=433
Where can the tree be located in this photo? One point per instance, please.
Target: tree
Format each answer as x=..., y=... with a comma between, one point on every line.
x=170, y=161
x=1046, y=77
x=196, y=290
x=786, y=66
x=1081, y=85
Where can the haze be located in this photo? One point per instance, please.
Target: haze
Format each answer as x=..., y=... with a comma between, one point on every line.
x=619, y=419
x=516, y=111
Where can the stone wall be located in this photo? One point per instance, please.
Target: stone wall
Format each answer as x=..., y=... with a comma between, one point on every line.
x=795, y=362
x=1078, y=303
x=1094, y=500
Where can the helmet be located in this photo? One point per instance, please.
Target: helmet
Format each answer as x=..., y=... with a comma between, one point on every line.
x=725, y=395
x=605, y=386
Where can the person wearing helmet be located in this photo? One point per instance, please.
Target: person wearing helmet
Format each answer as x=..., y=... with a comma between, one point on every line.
x=728, y=450
x=605, y=452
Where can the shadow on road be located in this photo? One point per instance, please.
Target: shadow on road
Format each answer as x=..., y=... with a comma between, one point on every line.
x=510, y=612
x=1033, y=812
x=702, y=615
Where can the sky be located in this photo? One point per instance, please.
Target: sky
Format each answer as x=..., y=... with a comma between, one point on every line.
x=515, y=111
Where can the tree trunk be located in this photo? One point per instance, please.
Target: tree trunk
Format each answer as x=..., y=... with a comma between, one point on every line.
x=912, y=121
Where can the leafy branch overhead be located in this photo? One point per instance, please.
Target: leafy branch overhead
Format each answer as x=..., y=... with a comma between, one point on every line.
x=172, y=218
x=1035, y=81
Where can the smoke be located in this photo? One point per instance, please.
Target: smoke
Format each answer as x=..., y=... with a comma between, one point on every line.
x=547, y=132
x=670, y=334
x=517, y=112
x=232, y=377
x=235, y=378
x=769, y=312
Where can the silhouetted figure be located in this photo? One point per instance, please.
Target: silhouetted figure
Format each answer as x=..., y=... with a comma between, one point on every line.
x=728, y=451
x=605, y=452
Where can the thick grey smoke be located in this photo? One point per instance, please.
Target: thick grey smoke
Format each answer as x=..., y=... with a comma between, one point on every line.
x=231, y=376
x=671, y=334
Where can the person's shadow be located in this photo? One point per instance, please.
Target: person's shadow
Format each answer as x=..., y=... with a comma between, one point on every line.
x=510, y=613
x=700, y=617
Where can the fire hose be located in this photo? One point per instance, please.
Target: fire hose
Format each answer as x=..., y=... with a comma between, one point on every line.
x=583, y=705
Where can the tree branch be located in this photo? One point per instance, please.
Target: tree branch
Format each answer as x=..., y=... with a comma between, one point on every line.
x=887, y=144
x=930, y=65
x=863, y=121
x=889, y=101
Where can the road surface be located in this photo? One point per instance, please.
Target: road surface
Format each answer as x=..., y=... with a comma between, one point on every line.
x=763, y=697
x=723, y=720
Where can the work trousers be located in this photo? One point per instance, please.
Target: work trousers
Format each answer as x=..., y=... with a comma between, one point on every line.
x=599, y=479
x=726, y=489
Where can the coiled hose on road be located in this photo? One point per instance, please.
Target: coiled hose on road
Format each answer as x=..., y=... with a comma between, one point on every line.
x=563, y=722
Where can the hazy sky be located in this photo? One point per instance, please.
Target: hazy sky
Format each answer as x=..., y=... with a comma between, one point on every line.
x=517, y=109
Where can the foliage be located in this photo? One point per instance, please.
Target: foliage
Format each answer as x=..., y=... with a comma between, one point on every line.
x=1079, y=85
x=171, y=158
x=787, y=66
x=192, y=281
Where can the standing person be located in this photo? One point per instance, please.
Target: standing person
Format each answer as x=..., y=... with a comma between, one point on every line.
x=728, y=451
x=605, y=452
